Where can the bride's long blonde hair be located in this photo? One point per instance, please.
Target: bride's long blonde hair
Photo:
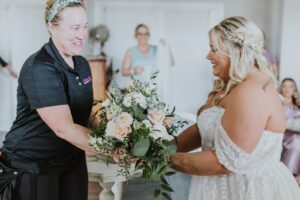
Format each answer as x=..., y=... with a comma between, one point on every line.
x=243, y=42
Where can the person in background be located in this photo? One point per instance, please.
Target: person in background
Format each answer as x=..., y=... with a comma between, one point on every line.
x=291, y=141
x=8, y=69
x=272, y=62
x=240, y=127
x=140, y=61
x=144, y=59
x=49, y=135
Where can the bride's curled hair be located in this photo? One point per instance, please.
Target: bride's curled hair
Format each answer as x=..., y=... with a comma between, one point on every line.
x=243, y=42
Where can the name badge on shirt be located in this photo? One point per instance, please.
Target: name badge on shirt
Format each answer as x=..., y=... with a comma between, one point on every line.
x=87, y=80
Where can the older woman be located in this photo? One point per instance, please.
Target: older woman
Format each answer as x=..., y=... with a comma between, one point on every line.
x=240, y=128
x=140, y=61
x=55, y=100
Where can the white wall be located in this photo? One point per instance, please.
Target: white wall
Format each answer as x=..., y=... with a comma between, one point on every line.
x=290, y=42
x=266, y=13
x=5, y=81
x=22, y=33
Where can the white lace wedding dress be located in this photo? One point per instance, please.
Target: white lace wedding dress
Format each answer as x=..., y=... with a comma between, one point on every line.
x=256, y=176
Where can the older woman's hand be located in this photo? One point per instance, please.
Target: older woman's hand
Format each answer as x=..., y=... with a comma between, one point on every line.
x=139, y=70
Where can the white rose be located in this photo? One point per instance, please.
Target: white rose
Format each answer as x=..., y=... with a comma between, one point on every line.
x=136, y=125
x=159, y=131
x=124, y=120
x=112, y=131
x=127, y=100
x=147, y=123
x=140, y=99
x=152, y=102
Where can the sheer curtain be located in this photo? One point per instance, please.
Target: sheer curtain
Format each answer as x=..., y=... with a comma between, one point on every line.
x=164, y=65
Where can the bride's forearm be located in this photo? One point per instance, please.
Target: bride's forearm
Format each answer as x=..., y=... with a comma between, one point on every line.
x=203, y=163
x=188, y=140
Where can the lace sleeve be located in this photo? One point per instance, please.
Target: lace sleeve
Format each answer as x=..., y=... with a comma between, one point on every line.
x=230, y=155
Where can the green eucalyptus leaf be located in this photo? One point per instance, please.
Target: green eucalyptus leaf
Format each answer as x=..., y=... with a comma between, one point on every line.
x=138, y=113
x=167, y=188
x=170, y=173
x=166, y=195
x=172, y=148
x=162, y=168
x=156, y=193
x=165, y=143
x=141, y=147
x=163, y=180
x=155, y=176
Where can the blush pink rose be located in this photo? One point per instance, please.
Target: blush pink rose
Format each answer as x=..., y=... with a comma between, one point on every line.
x=169, y=121
x=156, y=116
x=123, y=132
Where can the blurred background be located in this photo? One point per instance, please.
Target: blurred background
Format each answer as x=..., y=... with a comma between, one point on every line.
x=184, y=25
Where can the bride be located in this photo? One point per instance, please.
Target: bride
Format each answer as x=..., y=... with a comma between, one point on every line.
x=240, y=127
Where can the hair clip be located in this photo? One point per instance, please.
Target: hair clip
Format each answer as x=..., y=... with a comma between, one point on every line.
x=229, y=36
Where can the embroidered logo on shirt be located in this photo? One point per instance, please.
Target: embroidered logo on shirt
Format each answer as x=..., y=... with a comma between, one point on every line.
x=87, y=80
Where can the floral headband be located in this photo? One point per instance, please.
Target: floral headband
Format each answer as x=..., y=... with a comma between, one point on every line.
x=59, y=5
x=229, y=36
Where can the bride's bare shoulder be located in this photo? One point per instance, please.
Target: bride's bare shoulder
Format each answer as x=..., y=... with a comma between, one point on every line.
x=257, y=99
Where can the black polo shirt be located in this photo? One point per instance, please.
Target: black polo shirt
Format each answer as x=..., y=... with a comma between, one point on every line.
x=2, y=62
x=46, y=80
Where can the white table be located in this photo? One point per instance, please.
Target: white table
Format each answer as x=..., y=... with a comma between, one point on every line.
x=108, y=177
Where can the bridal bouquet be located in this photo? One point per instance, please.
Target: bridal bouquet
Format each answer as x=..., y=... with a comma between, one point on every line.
x=136, y=125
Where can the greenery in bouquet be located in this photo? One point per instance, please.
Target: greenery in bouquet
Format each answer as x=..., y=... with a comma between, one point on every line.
x=134, y=123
